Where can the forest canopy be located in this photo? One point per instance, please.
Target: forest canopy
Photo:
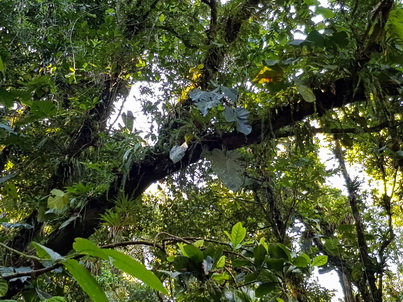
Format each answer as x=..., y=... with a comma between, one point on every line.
x=243, y=98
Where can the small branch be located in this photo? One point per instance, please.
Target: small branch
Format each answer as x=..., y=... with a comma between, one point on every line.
x=32, y=273
x=286, y=133
x=21, y=253
x=38, y=272
x=137, y=242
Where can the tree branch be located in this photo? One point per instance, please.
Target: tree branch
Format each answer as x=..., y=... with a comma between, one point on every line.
x=368, y=262
x=156, y=167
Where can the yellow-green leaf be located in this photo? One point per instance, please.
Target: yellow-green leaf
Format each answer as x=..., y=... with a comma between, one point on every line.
x=86, y=247
x=237, y=235
x=319, y=260
x=57, y=200
x=221, y=262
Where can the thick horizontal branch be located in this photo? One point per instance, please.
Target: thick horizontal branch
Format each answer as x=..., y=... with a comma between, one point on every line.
x=157, y=167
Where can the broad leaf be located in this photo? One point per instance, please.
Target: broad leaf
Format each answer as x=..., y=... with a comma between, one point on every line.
x=178, y=152
x=230, y=93
x=43, y=109
x=207, y=264
x=316, y=38
x=237, y=235
x=192, y=252
x=85, y=280
x=135, y=269
x=58, y=200
x=205, y=100
x=275, y=265
x=319, y=260
x=241, y=117
x=221, y=262
x=3, y=287
x=272, y=74
x=259, y=252
x=220, y=277
x=229, y=167
x=46, y=253
x=305, y=91
x=302, y=261
x=327, y=13
x=266, y=288
x=267, y=276
x=87, y=247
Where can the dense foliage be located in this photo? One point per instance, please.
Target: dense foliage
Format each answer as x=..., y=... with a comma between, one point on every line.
x=274, y=143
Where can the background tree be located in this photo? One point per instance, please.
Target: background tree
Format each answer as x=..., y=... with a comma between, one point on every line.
x=241, y=111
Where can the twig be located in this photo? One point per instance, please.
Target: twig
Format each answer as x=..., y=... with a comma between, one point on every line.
x=21, y=253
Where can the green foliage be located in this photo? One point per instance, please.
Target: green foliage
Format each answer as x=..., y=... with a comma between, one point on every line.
x=246, y=100
x=237, y=235
x=121, y=261
x=85, y=280
x=241, y=117
x=229, y=167
x=3, y=287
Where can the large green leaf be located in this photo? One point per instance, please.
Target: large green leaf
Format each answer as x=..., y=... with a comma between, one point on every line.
x=238, y=234
x=305, y=91
x=87, y=247
x=85, y=280
x=229, y=167
x=327, y=13
x=43, y=109
x=301, y=261
x=3, y=287
x=259, y=252
x=319, y=260
x=205, y=100
x=192, y=252
x=135, y=269
x=121, y=261
x=279, y=251
x=230, y=93
x=266, y=288
x=221, y=262
x=241, y=117
x=316, y=38
x=58, y=200
x=46, y=253
x=6, y=98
